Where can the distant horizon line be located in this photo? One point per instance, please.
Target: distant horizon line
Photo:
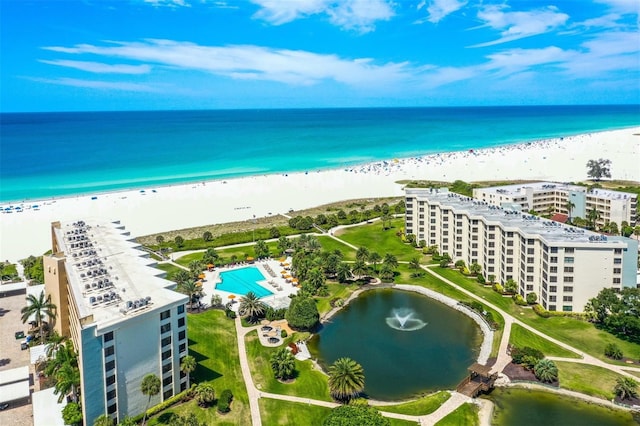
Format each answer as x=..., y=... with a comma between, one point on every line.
x=324, y=108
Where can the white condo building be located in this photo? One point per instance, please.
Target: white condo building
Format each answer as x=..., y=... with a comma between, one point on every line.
x=564, y=265
x=123, y=317
x=612, y=206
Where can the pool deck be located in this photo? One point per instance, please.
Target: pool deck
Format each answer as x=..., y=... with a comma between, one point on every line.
x=274, y=282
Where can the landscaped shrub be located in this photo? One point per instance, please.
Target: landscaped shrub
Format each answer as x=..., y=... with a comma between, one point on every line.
x=498, y=288
x=480, y=279
x=532, y=298
x=519, y=300
x=526, y=354
x=224, y=402
x=538, y=309
x=229, y=313
x=283, y=333
x=274, y=314
x=613, y=351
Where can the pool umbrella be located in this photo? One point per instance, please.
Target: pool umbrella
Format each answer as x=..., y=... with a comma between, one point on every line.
x=232, y=296
x=201, y=276
x=210, y=266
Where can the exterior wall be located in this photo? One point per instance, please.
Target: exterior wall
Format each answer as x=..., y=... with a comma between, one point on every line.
x=92, y=377
x=55, y=282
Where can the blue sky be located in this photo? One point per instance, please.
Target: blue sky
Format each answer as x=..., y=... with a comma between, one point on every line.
x=201, y=54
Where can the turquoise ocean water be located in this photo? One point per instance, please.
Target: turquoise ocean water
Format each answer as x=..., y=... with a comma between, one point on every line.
x=45, y=155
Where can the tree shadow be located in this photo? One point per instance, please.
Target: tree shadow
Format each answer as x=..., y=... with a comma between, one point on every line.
x=202, y=373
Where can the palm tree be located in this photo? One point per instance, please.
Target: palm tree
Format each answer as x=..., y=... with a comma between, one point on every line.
x=362, y=254
x=103, y=420
x=64, y=354
x=375, y=258
x=54, y=342
x=195, y=267
x=346, y=379
x=390, y=260
x=316, y=278
x=626, y=387
x=283, y=364
x=151, y=385
x=190, y=288
x=39, y=307
x=181, y=277
x=283, y=244
x=205, y=394
x=592, y=216
x=386, y=272
x=546, y=370
x=188, y=366
x=67, y=380
x=475, y=268
x=251, y=306
x=343, y=272
x=414, y=263
x=569, y=205
x=359, y=268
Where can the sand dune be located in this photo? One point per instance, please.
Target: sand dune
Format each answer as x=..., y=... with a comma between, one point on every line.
x=174, y=207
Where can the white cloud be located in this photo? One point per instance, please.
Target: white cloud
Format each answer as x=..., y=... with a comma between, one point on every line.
x=439, y=9
x=622, y=6
x=251, y=62
x=517, y=25
x=516, y=60
x=168, y=3
x=95, y=84
x=100, y=68
x=359, y=15
x=606, y=53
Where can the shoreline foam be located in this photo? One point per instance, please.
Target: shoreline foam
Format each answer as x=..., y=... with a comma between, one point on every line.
x=226, y=200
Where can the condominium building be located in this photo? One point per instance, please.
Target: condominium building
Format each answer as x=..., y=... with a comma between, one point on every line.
x=564, y=265
x=542, y=197
x=123, y=317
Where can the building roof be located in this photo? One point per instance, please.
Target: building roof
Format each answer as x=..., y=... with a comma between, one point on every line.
x=14, y=375
x=520, y=189
x=559, y=217
x=110, y=277
x=528, y=225
x=47, y=411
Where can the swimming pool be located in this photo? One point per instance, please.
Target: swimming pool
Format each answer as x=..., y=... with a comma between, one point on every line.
x=242, y=281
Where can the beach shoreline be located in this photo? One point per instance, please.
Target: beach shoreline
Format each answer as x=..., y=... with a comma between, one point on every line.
x=153, y=209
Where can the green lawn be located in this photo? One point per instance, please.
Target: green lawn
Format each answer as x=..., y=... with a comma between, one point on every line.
x=330, y=244
x=521, y=337
x=465, y=415
x=587, y=379
x=188, y=258
x=284, y=413
x=420, y=407
x=342, y=291
x=309, y=383
x=212, y=341
x=580, y=334
x=376, y=240
x=169, y=268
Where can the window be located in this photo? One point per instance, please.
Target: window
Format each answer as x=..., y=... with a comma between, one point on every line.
x=617, y=270
x=108, y=336
x=553, y=259
x=553, y=288
x=529, y=278
x=529, y=287
x=553, y=279
x=568, y=259
x=181, y=322
x=164, y=315
x=111, y=394
x=568, y=269
x=109, y=366
x=182, y=335
x=165, y=328
x=568, y=279
x=552, y=299
x=183, y=386
x=492, y=236
x=166, y=354
x=567, y=289
x=166, y=368
x=567, y=298
x=552, y=307
x=569, y=250
x=108, y=351
x=182, y=347
x=166, y=341
x=167, y=394
x=530, y=251
x=553, y=269
x=617, y=261
x=566, y=308
x=110, y=380
x=167, y=381
x=509, y=252
x=509, y=243
x=530, y=269
x=617, y=251
x=509, y=268
x=554, y=249
x=531, y=241
x=616, y=280
x=112, y=409
x=530, y=260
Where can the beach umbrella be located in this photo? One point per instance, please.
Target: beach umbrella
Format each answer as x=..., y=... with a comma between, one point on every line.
x=202, y=276
x=249, y=258
x=210, y=265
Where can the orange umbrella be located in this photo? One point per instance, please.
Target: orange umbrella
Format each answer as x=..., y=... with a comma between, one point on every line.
x=232, y=296
x=198, y=283
x=210, y=265
x=201, y=276
x=249, y=258
x=295, y=280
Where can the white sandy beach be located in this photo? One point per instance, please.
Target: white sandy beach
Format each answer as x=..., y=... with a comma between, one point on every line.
x=189, y=205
